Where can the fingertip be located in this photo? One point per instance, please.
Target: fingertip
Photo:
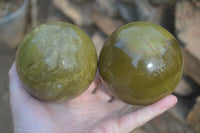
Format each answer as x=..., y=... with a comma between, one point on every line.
x=173, y=98
x=165, y=103
x=170, y=100
x=16, y=87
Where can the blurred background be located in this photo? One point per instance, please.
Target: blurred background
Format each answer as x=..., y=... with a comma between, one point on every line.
x=99, y=18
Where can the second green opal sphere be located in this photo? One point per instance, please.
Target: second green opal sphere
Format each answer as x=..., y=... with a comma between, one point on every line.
x=140, y=63
x=56, y=61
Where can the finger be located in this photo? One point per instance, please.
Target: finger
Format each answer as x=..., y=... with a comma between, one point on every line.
x=101, y=89
x=17, y=91
x=138, y=118
x=90, y=95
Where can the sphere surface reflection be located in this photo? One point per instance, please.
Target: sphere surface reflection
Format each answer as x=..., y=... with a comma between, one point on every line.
x=140, y=63
x=56, y=61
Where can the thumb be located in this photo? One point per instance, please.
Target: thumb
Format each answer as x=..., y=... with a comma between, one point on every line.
x=17, y=92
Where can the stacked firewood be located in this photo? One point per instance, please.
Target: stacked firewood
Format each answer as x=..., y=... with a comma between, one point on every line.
x=188, y=31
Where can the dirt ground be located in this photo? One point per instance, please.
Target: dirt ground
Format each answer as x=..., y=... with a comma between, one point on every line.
x=7, y=57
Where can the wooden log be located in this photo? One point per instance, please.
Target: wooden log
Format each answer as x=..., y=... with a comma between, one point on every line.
x=98, y=40
x=187, y=22
x=194, y=116
x=187, y=87
x=80, y=14
x=106, y=24
x=192, y=61
x=183, y=88
x=188, y=31
x=106, y=7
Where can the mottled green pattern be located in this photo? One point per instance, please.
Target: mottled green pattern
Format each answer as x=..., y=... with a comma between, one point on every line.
x=141, y=63
x=56, y=61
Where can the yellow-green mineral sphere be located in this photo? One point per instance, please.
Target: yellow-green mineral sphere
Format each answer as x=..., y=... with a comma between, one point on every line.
x=56, y=61
x=140, y=63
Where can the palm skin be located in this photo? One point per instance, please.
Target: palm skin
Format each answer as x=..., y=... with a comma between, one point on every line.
x=88, y=113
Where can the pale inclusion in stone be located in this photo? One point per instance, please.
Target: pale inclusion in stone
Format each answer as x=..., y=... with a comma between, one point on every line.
x=59, y=85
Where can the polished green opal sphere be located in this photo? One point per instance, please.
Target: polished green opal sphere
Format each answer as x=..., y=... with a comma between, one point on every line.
x=140, y=63
x=56, y=61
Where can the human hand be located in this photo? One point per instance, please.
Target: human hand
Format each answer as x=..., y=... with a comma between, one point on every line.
x=88, y=113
